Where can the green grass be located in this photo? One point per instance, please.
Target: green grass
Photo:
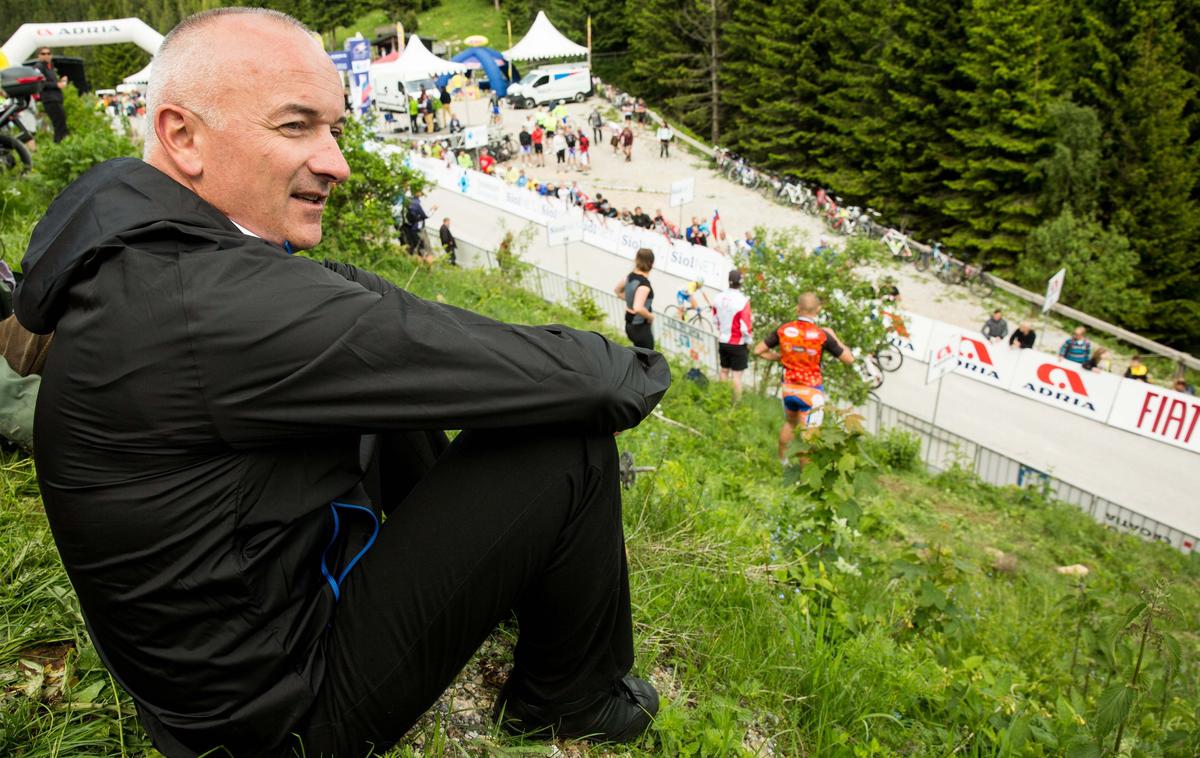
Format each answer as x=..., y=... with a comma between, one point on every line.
x=759, y=644
x=458, y=19
x=366, y=24
x=450, y=21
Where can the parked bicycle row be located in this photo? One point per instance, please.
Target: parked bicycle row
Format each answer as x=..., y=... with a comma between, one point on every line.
x=853, y=220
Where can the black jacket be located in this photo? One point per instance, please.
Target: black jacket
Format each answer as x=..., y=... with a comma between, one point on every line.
x=50, y=90
x=203, y=403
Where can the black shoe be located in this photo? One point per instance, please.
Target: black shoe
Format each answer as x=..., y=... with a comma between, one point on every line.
x=620, y=716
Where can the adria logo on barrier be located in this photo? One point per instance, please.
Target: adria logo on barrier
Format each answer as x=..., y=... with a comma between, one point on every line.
x=973, y=356
x=1062, y=384
x=71, y=31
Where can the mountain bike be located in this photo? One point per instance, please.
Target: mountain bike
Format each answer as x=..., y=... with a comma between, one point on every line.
x=979, y=283
x=897, y=242
x=931, y=255
x=869, y=369
x=690, y=315
x=13, y=152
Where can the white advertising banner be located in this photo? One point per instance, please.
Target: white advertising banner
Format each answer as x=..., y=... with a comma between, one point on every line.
x=1158, y=413
x=909, y=332
x=676, y=257
x=1064, y=385
x=1054, y=290
x=475, y=136
x=566, y=229
x=992, y=363
x=682, y=192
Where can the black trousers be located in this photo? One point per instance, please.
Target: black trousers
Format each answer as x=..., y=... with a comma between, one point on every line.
x=524, y=521
x=664, y=149
x=641, y=335
x=597, y=135
x=58, y=117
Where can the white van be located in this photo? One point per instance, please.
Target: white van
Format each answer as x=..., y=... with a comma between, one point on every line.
x=552, y=84
x=392, y=93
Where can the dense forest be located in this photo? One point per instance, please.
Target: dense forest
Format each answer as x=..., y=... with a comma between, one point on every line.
x=1026, y=136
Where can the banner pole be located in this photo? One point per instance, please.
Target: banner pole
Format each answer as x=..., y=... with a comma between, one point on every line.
x=937, y=400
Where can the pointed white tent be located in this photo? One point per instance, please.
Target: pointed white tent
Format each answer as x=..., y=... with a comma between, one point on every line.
x=141, y=77
x=416, y=62
x=544, y=41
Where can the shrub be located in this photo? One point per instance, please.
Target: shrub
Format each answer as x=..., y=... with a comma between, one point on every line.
x=896, y=449
x=359, y=227
x=581, y=300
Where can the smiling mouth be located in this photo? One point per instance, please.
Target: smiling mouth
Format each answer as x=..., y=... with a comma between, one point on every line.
x=316, y=199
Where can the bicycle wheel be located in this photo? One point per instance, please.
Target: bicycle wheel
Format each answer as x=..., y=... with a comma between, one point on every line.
x=981, y=285
x=889, y=358
x=949, y=273
x=921, y=262
x=700, y=321
x=13, y=153
x=674, y=311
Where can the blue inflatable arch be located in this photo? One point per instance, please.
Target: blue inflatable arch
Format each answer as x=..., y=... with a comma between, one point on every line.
x=493, y=64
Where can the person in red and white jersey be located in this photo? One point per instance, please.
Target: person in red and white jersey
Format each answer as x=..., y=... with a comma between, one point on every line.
x=731, y=309
x=799, y=345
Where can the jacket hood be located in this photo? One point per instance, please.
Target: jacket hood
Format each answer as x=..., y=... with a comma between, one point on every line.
x=87, y=219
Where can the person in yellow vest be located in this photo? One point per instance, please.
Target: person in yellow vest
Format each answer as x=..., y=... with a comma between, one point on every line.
x=1137, y=370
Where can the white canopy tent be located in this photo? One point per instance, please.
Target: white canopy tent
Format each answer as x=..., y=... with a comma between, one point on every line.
x=141, y=78
x=416, y=62
x=544, y=41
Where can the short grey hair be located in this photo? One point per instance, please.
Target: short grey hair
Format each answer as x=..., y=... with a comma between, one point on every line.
x=188, y=75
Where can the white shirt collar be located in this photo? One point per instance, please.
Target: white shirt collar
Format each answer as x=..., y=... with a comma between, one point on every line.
x=243, y=229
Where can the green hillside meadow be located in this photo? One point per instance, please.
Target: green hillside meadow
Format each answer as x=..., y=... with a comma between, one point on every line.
x=857, y=608
x=861, y=608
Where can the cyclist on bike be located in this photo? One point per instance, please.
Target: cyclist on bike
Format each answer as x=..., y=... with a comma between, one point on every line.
x=799, y=345
x=686, y=297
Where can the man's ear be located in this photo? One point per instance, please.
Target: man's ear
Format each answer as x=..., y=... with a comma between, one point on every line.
x=177, y=131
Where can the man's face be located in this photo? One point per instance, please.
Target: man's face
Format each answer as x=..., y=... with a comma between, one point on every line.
x=45, y=56
x=273, y=162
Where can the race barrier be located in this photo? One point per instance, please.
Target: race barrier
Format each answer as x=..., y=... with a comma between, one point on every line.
x=671, y=335
x=678, y=257
x=942, y=450
x=1157, y=413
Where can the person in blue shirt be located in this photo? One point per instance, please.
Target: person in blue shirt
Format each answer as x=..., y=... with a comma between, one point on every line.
x=1077, y=348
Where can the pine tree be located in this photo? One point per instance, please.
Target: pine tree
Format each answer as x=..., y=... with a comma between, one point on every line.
x=919, y=63
x=849, y=143
x=771, y=83
x=1004, y=132
x=676, y=51
x=1157, y=171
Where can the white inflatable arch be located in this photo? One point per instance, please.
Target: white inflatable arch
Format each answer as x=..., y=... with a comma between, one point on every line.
x=30, y=37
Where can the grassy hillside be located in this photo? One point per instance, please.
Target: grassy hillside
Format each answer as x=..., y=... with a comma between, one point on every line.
x=450, y=20
x=858, y=608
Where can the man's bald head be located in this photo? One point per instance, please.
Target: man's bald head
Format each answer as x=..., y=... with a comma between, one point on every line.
x=246, y=110
x=198, y=61
x=808, y=304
